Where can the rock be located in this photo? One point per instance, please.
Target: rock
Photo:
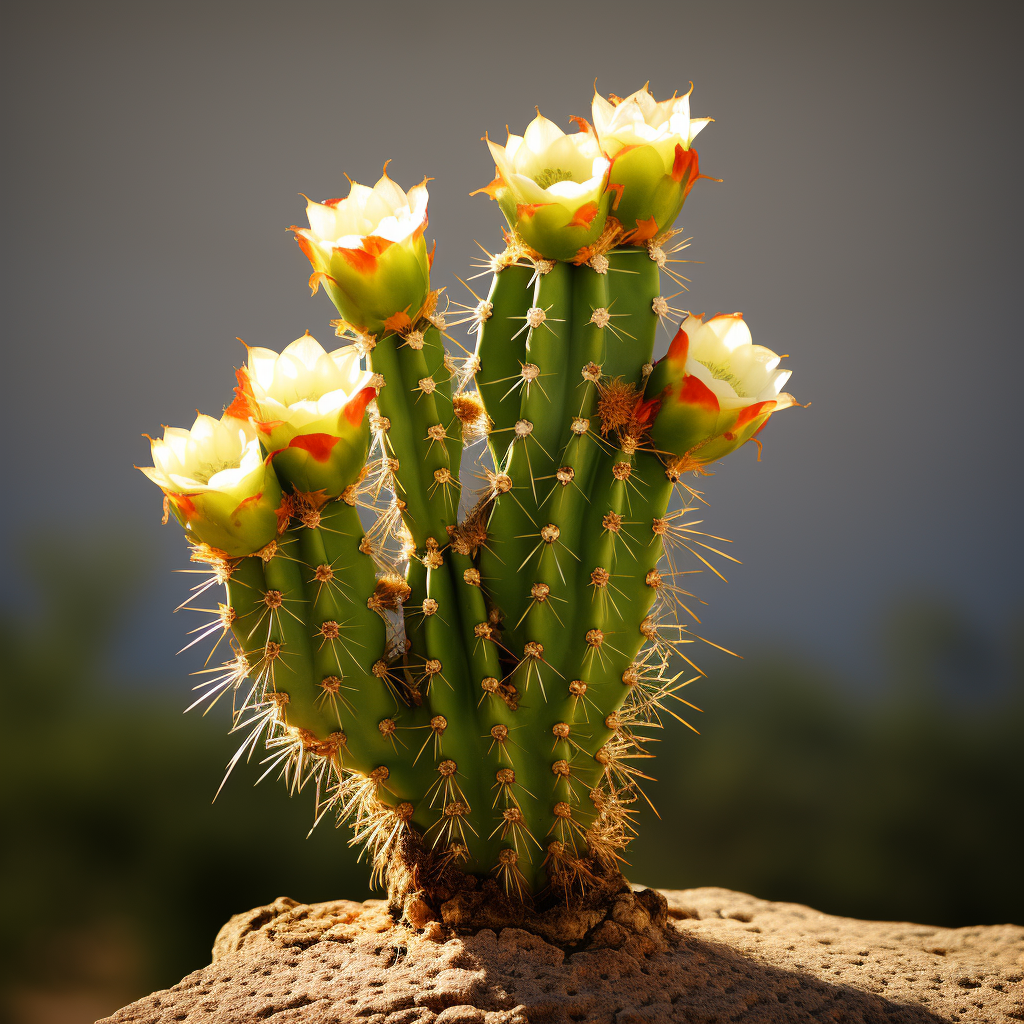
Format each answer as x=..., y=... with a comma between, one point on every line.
x=727, y=957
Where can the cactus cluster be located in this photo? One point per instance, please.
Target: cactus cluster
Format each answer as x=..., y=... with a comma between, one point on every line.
x=460, y=656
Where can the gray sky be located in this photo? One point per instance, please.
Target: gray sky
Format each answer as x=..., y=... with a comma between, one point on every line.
x=866, y=225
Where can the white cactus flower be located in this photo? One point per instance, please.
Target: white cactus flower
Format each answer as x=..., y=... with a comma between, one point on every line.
x=309, y=406
x=544, y=165
x=369, y=253
x=304, y=384
x=551, y=188
x=721, y=354
x=214, y=455
x=217, y=483
x=640, y=120
x=385, y=211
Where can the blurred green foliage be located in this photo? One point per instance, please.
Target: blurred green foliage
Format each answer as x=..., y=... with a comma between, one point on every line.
x=113, y=849
x=900, y=798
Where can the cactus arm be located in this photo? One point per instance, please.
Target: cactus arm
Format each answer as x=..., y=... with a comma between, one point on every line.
x=634, y=282
x=587, y=346
x=365, y=701
x=501, y=352
x=439, y=368
x=551, y=615
x=497, y=750
x=559, y=347
x=446, y=670
x=613, y=679
x=515, y=542
x=479, y=635
x=602, y=625
x=331, y=601
x=244, y=588
x=547, y=348
x=407, y=400
x=416, y=578
x=404, y=440
x=291, y=670
x=613, y=607
x=400, y=442
x=638, y=579
x=501, y=355
x=598, y=635
x=626, y=292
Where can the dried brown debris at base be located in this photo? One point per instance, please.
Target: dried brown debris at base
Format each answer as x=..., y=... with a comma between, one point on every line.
x=606, y=913
x=727, y=956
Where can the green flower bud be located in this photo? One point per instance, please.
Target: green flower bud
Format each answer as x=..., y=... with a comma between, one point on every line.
x=653, y=164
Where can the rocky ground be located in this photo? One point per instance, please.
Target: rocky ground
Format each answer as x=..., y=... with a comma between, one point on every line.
x=726, y=957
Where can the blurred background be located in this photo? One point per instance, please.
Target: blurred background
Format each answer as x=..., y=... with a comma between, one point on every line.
x=864, y=757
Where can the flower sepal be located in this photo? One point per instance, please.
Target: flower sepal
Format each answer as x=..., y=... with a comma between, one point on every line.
x=649, y=198
x=327, y=461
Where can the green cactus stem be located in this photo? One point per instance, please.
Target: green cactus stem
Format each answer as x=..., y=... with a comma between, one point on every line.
x=501, y=351
x=633, y=284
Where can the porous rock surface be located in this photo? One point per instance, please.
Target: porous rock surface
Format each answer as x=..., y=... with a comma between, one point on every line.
x=726, y=957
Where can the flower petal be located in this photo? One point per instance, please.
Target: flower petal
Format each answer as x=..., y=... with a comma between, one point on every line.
x=541, y=133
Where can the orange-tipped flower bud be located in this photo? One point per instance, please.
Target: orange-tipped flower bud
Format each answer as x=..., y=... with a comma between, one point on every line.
x=653, y=164
x=368, y=252
x=716, y=389
x=551, y=188
x=217, y=483
x=308, y=406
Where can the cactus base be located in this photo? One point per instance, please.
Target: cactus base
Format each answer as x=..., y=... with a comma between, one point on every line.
x=602, y=910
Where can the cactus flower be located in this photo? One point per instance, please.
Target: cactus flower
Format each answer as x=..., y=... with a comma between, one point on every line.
x=716, y=389
x=217, y=483
x=653, y=164
x=368, y=252
x=551, y=188
x=309, y=407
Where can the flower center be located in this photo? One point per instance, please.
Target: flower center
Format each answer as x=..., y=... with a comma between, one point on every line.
x=202, y=471
x=552, y=174
x=724, y=373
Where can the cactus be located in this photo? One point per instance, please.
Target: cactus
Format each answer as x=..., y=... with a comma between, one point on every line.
x=465, y=673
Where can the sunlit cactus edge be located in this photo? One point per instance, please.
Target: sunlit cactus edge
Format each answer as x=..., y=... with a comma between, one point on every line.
x=461, y=655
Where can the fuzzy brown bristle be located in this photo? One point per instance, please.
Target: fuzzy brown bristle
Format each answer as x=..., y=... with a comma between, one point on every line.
x=476, y=424
x=389, y=594
x=607, y=241
x=615, y=404
x=516, y=249
x=675, y=468
x=471, y=533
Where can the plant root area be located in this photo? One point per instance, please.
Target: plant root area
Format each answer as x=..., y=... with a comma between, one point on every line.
x=703, y=956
